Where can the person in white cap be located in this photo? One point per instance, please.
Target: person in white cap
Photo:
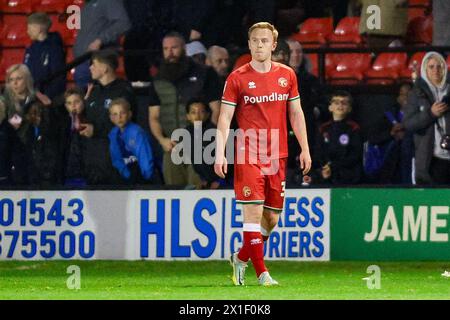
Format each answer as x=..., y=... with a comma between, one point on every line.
x=197, y=51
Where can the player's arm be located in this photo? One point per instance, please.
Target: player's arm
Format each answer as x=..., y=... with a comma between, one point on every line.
x=297, y=119
x=223, y=130
x=215, y=107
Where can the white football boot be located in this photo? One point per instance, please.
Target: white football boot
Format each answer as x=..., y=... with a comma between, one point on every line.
x=238, y=270
x=266, y=280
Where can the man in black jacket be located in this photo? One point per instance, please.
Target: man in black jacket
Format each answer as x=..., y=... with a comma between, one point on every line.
x=106, y=88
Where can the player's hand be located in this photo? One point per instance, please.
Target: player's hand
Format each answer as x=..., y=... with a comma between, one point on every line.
x=305, y=162
x=167, y=144
x=221, y=167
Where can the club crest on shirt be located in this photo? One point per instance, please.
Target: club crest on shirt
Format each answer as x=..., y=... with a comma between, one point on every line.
x=344, y=139
x=246, y=191
x=107, y=103
x=283, y=82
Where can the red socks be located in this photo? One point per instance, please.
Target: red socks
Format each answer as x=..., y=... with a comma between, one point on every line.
x=253, y=247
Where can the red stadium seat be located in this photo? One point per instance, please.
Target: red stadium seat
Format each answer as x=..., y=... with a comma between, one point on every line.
x=8, y=58
x=314, y=60
x=14, y=33
x=16, y=6
x=346, y=33
x=50, y=6
x=314, y=32
x=420, y=31
x=243, y=59
x=349, y=68
x=59, y=25
x=386, y=68
x=414, y=62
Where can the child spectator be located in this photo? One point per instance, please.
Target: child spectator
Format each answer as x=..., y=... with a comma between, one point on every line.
x=339, y=146
x=129, y=145
x=41, y=145
x=72, y=143
x=45, y=55
x=198, y=115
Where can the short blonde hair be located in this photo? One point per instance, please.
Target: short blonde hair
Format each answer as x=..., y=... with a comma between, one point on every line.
x=264, y=25
x=40, y=18
x=121, y=102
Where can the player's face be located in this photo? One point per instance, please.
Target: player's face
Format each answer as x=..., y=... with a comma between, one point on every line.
x=261, y=44
x=74, y=104
x=173, y=49
x=119, y=116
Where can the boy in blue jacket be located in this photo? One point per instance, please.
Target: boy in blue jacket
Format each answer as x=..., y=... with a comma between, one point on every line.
x=45, y=55
x=129, y=145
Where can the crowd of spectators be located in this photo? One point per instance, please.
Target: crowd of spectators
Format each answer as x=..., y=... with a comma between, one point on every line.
x=107, y=130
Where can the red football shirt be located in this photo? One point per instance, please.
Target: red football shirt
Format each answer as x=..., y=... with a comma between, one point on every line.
x=261, y=101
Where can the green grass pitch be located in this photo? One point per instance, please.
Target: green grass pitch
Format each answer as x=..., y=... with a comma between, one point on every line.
x=212, y=280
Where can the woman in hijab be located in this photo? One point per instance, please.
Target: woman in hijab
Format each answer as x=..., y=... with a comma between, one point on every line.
x=426, y=114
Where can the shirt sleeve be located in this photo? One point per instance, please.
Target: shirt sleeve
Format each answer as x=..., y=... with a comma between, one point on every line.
x=144, y=155
x=293, y=93
x=231, y=91
x=116, y=155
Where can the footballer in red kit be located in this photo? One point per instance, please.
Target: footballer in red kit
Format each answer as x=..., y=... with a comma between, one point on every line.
x=261, y=93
